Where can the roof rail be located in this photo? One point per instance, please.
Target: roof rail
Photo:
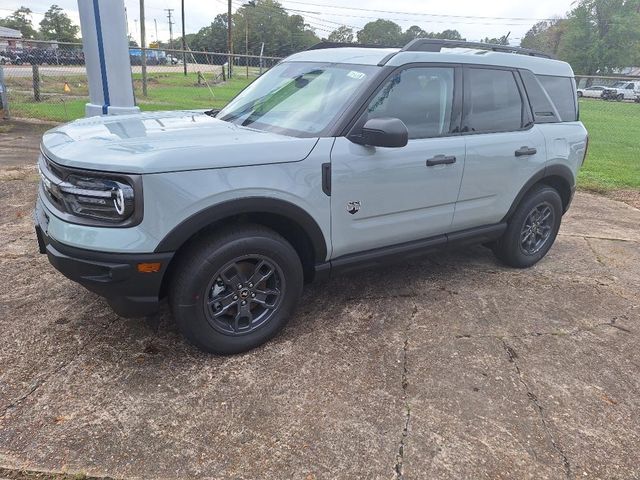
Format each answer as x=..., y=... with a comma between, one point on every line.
x=435, y=45
x=323, y=45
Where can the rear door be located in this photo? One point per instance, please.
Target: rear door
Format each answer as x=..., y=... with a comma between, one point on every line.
x=504, y=148
x=385, y=196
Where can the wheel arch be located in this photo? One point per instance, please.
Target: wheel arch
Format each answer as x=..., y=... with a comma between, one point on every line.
x=559, y=177
x=296, y=225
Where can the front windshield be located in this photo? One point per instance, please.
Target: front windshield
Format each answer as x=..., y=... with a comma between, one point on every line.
x=298, y=98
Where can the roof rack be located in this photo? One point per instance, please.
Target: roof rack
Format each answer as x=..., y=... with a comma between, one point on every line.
x=435, y=45
x=323, y=45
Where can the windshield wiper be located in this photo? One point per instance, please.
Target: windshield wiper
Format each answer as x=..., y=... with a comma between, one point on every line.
x=213, y=112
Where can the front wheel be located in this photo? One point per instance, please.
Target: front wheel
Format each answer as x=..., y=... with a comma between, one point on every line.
x=619, y=97
x=532, y=229
x=234, y=291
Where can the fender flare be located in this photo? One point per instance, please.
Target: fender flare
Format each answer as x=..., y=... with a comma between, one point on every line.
x=556, y=170
x=196, y=222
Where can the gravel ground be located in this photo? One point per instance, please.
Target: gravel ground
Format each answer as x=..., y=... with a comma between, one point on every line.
x=449, y=367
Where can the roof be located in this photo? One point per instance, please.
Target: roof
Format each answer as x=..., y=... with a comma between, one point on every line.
x=396, y=57
x=357, y=55
x=9, y=33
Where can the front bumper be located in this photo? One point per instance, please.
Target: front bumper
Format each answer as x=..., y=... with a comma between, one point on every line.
x=115, y=276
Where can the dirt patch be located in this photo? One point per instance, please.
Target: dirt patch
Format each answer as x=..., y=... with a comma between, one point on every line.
x=628, y=196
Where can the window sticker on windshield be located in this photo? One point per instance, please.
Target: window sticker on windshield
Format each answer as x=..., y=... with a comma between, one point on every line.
x=356, y=75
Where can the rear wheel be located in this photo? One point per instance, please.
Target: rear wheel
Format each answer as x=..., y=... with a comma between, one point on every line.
x=579, y=94
x=532, y=229
x=236, y=290
x=619, y=97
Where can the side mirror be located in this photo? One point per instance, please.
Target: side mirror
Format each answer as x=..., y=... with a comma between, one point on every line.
x=382, y=132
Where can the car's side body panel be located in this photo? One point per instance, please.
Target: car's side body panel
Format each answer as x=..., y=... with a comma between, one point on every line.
x=383, y=196
x=493, y=174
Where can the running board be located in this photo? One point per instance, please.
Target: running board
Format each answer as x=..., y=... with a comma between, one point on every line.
x=408, y=250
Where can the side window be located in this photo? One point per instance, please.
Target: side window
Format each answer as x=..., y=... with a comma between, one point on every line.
x=492, y=101
x=544, y=111
x=421, y=97
x=561, y=91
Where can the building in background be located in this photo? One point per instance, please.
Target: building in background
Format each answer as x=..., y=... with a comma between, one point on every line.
x=10, y=38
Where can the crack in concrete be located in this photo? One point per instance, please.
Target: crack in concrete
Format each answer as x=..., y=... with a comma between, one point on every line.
x=611, y=324
x=399, y=466
x=595, y=237
x=595, y=254
x=513, y=358
x=33, y=388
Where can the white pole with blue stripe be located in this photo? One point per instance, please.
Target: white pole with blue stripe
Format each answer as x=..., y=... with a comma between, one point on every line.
x=106, y=53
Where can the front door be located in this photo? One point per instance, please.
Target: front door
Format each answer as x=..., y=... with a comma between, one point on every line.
x=386, y=196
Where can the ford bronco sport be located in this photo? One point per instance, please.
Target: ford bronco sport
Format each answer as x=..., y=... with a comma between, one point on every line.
x=337, y=157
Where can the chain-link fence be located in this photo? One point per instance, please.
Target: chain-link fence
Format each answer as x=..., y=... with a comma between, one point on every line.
x=48, y=80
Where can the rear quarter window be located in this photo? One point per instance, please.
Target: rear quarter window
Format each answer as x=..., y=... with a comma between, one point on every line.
x=561, y=90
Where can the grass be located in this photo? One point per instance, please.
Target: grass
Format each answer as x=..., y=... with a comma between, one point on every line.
x=166, y=91
x=613, y=162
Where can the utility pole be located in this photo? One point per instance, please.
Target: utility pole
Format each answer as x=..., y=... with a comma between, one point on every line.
x=169, y=10
x=184, y=44
x=229, y=38
x=155, y=22
x=143, y=50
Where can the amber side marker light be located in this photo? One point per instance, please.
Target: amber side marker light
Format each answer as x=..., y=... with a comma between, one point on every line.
x=149, y=267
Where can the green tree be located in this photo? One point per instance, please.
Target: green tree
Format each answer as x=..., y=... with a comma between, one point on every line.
x=504, y=40
x=545, y=36
x=381, y=32
x=341, y=34
x=412, y=33
x=602, y=36
x=56, y=25
x=269, y=23
x=448, y=35
x=20, y=20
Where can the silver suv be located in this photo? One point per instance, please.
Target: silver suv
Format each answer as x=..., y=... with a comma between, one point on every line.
x=337, y=158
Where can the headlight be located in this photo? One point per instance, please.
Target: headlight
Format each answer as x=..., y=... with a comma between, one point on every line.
x=99, y=198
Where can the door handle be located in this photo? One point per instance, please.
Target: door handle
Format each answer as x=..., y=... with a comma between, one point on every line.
x=441, y=160
x=524, y=151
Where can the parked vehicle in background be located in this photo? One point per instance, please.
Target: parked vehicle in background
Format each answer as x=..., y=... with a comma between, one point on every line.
x=334, y=159
x=13, y=57
x=623, y=90
x=591, y=92
x=154, y=57
x=4, y=60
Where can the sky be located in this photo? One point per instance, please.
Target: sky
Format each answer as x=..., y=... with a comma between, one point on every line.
x=472, y=18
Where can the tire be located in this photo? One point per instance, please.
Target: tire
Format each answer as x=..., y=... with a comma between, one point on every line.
x=579, y=94
x=216, y=274
x=511, y=249
x=619, y=97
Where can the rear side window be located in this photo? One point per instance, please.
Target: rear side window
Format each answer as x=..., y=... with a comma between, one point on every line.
x=492, y=101
x=562, y=93
x=544, y=111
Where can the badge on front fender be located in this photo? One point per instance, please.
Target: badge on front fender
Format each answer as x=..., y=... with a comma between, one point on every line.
x=353, y=207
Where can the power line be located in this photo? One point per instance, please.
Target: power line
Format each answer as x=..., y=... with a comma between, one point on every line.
x=416, y=13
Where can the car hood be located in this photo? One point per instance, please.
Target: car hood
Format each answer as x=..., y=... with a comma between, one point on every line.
x=167, y=142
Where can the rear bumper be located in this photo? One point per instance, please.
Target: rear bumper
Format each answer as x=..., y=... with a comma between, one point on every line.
x=114, y=276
